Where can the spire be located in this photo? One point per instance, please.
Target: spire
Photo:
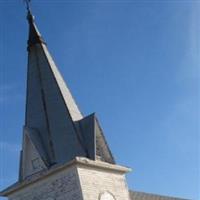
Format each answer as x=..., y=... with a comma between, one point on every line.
x=35, y=40
x=50, y=107
x=55, y=130
x=34, y=35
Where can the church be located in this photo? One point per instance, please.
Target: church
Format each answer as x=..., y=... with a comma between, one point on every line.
x=64, y=154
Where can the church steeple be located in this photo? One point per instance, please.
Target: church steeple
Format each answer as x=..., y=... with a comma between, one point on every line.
x=55, y=131
x=63, y=153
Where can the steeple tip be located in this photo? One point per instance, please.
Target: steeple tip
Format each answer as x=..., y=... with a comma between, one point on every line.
x=30, y=17
x=27, y=2
x=34, y=35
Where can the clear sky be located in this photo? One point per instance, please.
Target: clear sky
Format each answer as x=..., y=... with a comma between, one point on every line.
x=134, y=63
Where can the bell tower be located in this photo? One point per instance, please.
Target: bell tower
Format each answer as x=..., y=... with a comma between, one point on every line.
x=64, y=154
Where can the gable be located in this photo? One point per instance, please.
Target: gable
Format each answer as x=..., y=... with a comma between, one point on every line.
x=94, y=140
x=31, y=161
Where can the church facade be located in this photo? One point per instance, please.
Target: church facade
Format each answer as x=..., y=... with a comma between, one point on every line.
x=64, y=154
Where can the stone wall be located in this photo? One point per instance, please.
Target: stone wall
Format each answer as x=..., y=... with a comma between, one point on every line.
x=95, y=182
x=81, y=179
x=60, y=186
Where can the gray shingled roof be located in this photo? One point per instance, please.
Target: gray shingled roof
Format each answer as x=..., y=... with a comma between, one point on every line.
x=147, y=196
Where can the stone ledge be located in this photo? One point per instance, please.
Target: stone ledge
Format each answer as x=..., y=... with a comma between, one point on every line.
x=80, y=161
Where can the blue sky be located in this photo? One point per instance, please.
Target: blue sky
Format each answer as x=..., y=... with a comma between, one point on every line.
x=134, y=63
